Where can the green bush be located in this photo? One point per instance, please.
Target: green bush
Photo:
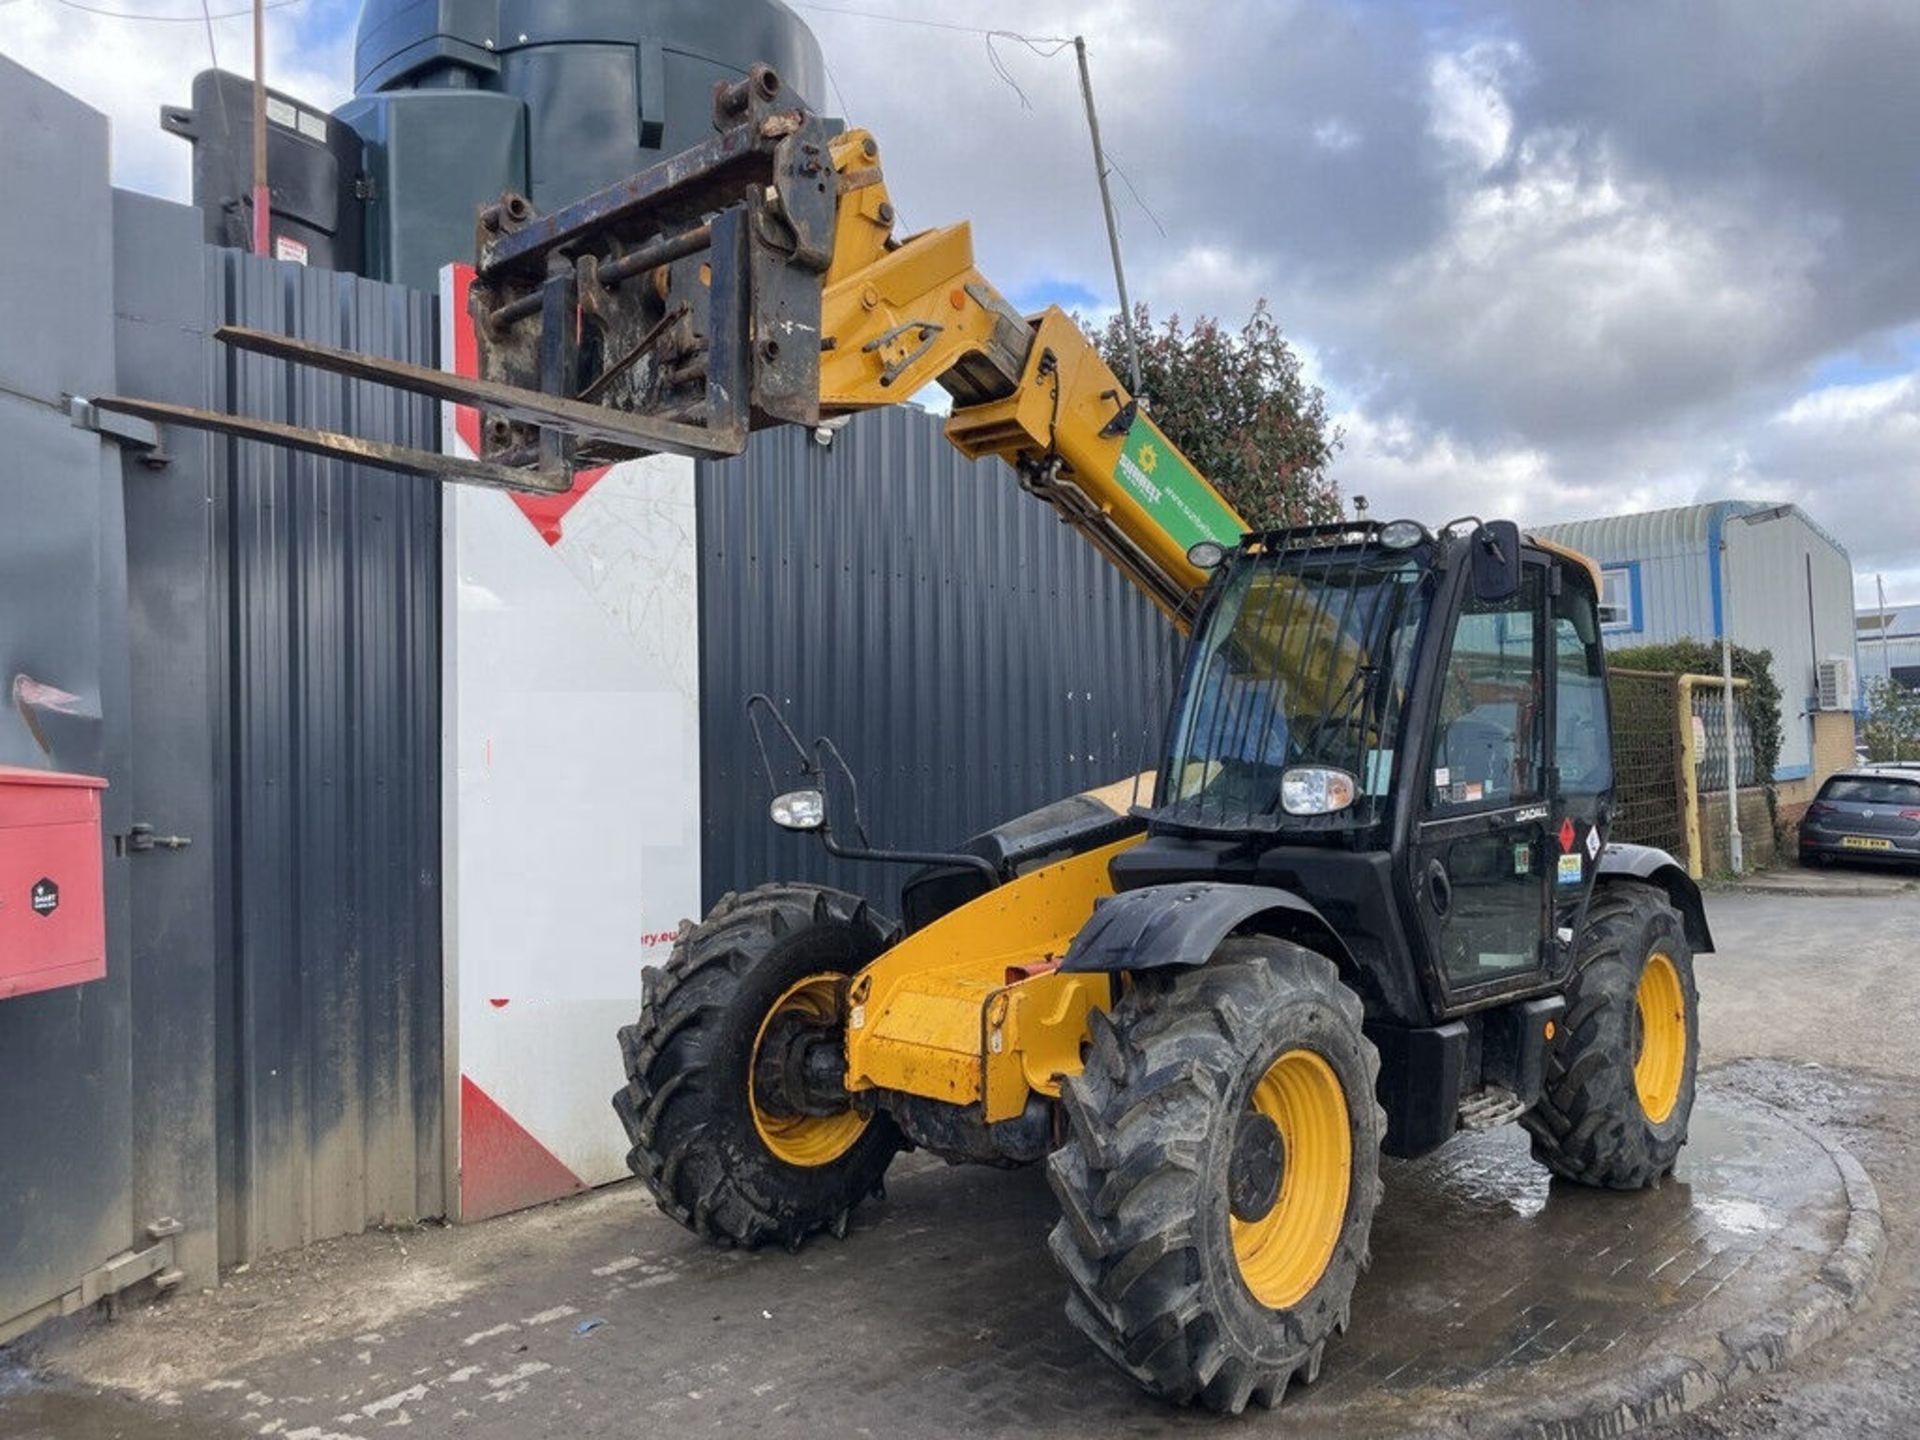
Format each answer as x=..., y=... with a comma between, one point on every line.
x=1760, y=700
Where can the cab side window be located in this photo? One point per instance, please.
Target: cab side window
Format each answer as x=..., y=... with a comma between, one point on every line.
x=1582, y=747
x=1487, y=747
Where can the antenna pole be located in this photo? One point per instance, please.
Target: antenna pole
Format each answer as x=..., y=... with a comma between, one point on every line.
x=262, y=200
x=1113, y=230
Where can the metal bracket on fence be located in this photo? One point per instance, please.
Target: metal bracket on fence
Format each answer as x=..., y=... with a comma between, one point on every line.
x=133, y=432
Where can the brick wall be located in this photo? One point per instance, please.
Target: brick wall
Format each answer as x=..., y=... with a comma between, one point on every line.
x=1756, y=830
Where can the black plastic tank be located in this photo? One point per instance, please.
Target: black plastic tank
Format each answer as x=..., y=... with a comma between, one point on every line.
x=314, y=167
x=458, y=100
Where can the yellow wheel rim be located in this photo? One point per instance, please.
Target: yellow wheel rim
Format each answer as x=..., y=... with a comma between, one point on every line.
x=1661, y=1059
x=805, y=1140
x=1283, y=1253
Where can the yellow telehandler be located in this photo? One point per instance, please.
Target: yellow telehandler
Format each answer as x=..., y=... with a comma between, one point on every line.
x=1366, y=901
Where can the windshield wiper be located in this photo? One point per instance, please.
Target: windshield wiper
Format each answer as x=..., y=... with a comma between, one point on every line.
x=1341, y=710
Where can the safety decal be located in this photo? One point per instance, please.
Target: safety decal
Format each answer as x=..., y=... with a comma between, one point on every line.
x=1567, y=835
x=1570, y=868
x=1593, y=842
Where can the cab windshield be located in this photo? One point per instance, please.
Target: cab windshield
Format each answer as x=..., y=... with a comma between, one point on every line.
x=1304, y=659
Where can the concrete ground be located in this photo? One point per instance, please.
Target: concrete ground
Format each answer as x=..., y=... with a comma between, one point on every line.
x=1831, y=882
x=1829, y=984
x=939, y=1315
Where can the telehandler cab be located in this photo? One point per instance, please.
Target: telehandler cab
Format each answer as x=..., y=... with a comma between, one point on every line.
x=1369, y=901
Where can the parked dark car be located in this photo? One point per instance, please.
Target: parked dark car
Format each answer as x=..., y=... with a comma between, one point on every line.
x=1864, y=814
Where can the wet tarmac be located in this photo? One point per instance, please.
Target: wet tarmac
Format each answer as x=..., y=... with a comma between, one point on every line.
x=1496, y=1296
x=1508, y=1289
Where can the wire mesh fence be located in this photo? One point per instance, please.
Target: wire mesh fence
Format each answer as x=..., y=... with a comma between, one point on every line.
x=1646, y=760
x=1710, y=740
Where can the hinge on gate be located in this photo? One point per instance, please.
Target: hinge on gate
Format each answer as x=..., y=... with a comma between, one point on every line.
x=365, y=187
x=154, y=1262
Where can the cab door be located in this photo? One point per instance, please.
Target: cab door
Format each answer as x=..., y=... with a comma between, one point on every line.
x=1582, y=756
x=1483, y=850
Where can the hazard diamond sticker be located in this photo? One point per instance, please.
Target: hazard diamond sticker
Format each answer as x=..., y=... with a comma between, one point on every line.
x=1567, y=834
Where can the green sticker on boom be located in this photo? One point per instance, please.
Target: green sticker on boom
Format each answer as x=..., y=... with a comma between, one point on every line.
x=1171, y=490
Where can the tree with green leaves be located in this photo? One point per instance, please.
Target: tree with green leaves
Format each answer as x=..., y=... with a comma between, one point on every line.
x=1237, y=404
x=1892, y=722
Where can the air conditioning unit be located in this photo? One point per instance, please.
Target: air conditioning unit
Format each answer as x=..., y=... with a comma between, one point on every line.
x=1836, y=682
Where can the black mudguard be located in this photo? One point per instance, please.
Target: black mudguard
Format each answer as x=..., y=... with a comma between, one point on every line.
x=1657, y=867
x=1183, y=924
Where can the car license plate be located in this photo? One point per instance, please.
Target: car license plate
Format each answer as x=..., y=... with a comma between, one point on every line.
x=1864, y=842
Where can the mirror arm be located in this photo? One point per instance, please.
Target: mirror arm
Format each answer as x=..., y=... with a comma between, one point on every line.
x=806, y=766
x=823, y=750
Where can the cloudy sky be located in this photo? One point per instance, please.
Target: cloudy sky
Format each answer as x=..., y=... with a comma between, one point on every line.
x=1549, y=260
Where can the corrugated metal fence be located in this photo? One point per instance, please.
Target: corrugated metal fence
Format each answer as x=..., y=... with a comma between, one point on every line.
x=971, y=657
x=330, y=587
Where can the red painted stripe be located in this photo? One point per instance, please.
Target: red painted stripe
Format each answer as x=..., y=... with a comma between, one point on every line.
x=502, y=1167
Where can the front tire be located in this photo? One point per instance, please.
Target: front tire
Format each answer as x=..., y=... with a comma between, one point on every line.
x=1220, y=1174
x=716, y=1158
x=1620, y=1069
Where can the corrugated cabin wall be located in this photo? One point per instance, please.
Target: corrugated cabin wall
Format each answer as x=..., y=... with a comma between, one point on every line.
x=329, y=587
x=971, y=656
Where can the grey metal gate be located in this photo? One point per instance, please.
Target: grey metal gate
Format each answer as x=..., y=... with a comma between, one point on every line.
x=65, y=1126
x=248, y=643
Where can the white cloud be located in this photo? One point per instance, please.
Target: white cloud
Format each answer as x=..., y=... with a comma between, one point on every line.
x=1336, y=135
x=130, y=69
x=1470, y=114
x=1850, y=456
x=1837, y=406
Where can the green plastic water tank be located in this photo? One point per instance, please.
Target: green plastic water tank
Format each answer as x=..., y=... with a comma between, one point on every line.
x=457, y=100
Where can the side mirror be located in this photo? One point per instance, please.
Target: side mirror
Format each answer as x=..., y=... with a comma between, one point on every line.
x=1496, y=561
x=800, y=810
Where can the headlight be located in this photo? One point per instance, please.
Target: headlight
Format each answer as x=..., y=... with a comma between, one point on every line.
x=799, y=810
x=1206, y=554
x=1402, y=534
x=1315, y=790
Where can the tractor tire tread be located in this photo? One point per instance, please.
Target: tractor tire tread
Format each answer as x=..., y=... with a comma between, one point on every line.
x=1127, y=1242
x=686, y=1143
x=1587, y=1125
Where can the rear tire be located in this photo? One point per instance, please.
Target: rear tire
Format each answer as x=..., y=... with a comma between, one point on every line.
x=1620, y=1069
x=1152, y=1179
x=687, y=1107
